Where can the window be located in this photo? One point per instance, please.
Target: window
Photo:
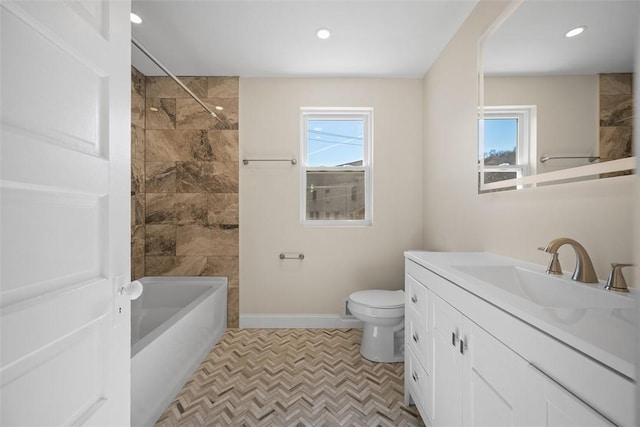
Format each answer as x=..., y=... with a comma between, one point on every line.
x=506, y=143
x=336, y=166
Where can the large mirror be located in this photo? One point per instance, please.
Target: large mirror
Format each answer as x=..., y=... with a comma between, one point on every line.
x=554, y=108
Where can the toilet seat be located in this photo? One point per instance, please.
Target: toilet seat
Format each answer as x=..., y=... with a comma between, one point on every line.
x=379, y=298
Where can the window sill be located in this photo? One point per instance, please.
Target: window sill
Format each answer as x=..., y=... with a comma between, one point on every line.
x=337, y=223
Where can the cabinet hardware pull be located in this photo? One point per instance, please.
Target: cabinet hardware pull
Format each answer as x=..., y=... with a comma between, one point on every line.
x=414, y=376
x=415, y=337
x=462, y=347
x=414, y=299
x=454, y=339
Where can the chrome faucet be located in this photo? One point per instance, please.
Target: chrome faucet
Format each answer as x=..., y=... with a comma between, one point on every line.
x=583, y=272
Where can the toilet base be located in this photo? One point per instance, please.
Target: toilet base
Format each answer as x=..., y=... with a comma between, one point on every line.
x=383, y=344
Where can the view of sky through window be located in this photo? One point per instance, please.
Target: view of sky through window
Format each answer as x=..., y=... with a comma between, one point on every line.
x=334, y=142
x=500, y=135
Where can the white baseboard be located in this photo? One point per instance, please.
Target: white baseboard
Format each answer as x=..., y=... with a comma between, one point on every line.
x=277, y=321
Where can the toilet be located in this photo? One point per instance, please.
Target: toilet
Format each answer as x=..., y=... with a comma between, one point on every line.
x=383, y=315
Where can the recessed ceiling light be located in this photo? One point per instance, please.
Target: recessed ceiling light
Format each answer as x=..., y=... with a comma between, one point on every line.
x=575, y=31
x=219, y=108
x=135, y=18
x=323, y=33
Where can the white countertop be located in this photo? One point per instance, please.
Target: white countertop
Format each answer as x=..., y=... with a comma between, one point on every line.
x=609, y=335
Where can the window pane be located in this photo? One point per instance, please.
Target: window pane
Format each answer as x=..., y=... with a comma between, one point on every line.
x=490, y=177
x=335, y=142
x=500, y=141
x=335, y=195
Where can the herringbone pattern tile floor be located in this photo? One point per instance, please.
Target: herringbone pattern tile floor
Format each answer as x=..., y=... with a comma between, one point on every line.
x=291, y=377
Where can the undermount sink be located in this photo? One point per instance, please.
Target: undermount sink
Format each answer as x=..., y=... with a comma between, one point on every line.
x=546, y=290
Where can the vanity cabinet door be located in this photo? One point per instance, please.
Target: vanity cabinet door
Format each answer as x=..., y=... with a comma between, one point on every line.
x=561, y=408
x=447, y=364
x=497, y=384
x=478, y=381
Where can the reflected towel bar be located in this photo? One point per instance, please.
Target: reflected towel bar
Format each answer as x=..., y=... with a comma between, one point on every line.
x=591, y=158
x=299, y=256
x=292, y=161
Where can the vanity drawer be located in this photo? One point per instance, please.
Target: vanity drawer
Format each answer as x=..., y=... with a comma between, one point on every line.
x=415, y=295
x=417, y=336
x=419, y=382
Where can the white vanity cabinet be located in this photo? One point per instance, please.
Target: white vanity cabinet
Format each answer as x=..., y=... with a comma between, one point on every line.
x=481, y=366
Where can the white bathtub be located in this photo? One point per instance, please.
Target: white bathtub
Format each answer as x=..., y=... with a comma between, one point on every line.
x=174, y=324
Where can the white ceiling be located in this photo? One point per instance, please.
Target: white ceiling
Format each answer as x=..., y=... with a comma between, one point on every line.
x=531, y=41
x=273, y=38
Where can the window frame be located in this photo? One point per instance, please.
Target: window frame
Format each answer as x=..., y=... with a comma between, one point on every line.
x=525, y=144
x=338, y=113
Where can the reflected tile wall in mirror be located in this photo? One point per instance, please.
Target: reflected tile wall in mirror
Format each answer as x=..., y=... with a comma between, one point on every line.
x=616, y=118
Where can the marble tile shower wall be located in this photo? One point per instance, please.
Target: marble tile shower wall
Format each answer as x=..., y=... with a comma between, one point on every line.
x=185, y=190
x=137, y=173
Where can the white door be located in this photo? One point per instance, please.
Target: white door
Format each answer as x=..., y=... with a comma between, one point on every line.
x=65, y=158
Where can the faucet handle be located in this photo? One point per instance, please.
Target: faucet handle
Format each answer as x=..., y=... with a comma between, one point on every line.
x=615, y=281
x=554, y=265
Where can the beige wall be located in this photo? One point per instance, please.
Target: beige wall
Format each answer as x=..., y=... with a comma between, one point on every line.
x=597, y=213
x=566, y=114
x=338, y=260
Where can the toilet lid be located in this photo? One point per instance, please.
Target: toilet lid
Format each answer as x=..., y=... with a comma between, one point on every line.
x=379, y=298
